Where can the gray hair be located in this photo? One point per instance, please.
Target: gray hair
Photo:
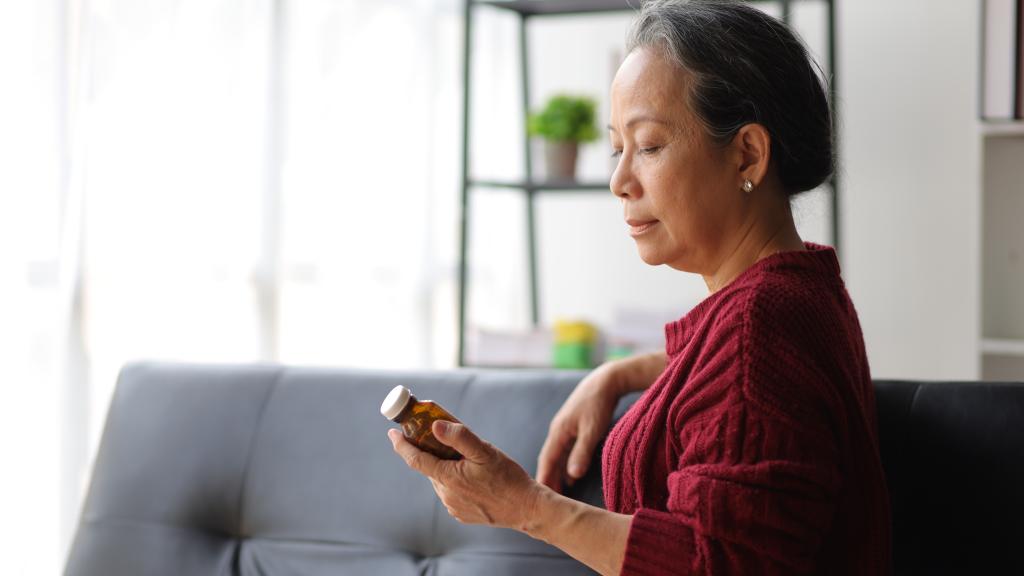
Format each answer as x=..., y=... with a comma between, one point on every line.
x=745, y=66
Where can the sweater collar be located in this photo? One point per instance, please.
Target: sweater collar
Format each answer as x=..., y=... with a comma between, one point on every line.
x=817, y=258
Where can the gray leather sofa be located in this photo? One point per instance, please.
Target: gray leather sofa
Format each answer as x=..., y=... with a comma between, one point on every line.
x=270, y=470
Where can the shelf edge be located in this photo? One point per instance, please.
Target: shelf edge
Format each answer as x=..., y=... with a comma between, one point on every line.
x=1002, y=346
x=1001, y=129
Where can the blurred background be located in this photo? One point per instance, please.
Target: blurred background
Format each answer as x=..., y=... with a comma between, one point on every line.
x=281, y=181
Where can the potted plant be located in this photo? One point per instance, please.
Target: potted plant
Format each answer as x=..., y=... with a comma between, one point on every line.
x=563, y=123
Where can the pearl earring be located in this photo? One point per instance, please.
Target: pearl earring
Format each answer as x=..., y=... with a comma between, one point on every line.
x=748, y=186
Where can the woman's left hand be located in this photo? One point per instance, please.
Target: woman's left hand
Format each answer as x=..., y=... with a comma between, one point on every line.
x=484, y=487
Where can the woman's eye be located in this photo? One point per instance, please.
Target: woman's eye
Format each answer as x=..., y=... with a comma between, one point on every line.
x=645, y=151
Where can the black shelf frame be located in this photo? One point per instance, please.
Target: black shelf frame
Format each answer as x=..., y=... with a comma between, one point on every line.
x=526, y=10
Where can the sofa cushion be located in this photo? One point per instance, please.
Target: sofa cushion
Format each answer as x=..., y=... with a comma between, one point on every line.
x=274, y=470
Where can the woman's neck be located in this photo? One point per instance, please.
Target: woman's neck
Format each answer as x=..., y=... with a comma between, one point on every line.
x=771, y=232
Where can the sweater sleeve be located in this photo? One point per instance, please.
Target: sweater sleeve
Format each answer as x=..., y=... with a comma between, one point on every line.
x=754, y=491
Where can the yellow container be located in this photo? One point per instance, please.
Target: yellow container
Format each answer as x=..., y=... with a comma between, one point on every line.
x=574, y=332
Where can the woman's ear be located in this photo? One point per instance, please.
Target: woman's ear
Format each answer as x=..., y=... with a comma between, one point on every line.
x=753, y=145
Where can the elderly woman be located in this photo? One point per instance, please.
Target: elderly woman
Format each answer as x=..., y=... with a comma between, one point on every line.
x=753, y=449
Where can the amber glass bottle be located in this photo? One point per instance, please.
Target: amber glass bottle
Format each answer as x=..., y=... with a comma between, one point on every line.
x=416, y=417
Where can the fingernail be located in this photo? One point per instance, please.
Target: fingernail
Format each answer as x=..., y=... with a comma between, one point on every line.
x=442, y=427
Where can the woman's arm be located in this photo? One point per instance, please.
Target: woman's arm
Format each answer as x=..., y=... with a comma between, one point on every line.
x=592, y=535
x=637, y=373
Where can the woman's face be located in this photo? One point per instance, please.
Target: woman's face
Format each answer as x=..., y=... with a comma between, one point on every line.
x=680, y=193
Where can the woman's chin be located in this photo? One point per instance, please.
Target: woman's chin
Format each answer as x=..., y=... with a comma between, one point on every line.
x=653, y=256
x=649, y=256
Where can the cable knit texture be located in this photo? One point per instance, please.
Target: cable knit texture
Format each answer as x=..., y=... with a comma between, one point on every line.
x=756, y=450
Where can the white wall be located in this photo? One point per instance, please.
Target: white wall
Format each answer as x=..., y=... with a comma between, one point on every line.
x=910, y=209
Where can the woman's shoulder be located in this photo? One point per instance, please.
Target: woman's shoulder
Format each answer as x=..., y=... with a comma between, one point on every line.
x=778, y=298
x=798, y=332
x=791, y=295
x=787, y=284
x=794, y=302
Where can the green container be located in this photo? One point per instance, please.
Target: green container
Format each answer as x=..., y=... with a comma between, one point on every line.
x=619, y=352
x=572, y=355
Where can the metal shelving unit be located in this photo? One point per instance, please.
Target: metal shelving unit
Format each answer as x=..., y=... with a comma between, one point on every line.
x=527, y=10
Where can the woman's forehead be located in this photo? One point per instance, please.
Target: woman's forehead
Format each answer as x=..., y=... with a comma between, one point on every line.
x=648, y=85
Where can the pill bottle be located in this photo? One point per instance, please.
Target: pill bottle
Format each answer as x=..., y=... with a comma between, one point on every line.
x=416, y=417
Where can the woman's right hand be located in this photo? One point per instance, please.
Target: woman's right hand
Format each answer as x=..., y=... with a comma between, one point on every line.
x=578, y=427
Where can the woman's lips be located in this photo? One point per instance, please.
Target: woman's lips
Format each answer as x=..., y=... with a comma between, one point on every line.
x=638, y=227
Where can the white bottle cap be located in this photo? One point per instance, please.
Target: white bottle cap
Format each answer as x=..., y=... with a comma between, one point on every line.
x=395, y=402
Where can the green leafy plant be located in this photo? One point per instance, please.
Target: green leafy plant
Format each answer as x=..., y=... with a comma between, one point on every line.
x=565, y=118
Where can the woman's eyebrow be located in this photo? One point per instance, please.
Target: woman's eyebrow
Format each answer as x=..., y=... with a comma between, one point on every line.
x=636, y=119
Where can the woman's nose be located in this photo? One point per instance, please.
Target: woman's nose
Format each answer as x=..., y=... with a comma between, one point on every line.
x=623, y=183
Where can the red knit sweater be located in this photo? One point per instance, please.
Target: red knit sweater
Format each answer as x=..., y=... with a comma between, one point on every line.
x=756, y=451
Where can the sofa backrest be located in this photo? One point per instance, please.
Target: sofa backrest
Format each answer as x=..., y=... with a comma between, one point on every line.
x=262, y=469
x=953, y=454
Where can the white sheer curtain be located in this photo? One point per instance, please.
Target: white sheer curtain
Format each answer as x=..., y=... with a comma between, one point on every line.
x=211, y=180
x=370, y=182
x=31, y=284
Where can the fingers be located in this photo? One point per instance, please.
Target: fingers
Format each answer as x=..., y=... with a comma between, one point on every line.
x=423, y=462
x=546, y=462
x=546, y=475
x=460, y=437
x=582, y=452
x=552, y=458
